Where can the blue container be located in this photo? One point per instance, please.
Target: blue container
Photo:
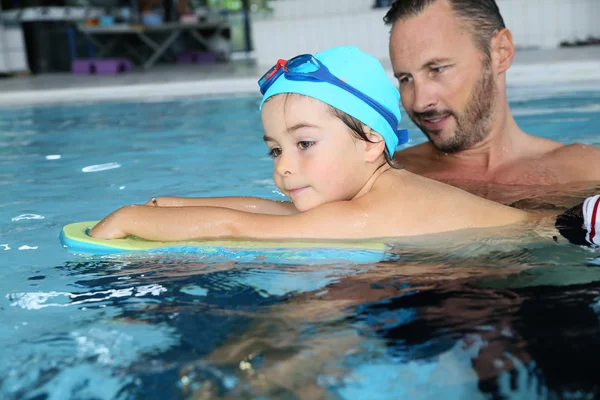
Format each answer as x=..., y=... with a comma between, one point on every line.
x=107, y=20
x=152, y=19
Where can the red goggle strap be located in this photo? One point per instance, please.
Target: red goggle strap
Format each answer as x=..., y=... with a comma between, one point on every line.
x=280, y=64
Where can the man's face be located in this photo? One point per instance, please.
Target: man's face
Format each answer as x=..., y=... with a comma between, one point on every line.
x=446, y=85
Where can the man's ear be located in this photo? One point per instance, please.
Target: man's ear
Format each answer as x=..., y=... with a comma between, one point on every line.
x=375, y=147
x=502, y=50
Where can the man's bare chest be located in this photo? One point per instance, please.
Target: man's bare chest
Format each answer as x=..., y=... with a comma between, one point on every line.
x=514, y=183
x=520, y=173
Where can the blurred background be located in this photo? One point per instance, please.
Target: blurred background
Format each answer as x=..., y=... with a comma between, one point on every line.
x=50, y=36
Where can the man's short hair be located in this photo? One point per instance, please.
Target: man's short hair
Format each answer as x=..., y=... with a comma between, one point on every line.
x=481, y=17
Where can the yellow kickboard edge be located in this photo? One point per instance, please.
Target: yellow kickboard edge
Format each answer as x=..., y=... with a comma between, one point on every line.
x=74, y=237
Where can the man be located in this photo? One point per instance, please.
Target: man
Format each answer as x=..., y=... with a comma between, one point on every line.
x=450, y=58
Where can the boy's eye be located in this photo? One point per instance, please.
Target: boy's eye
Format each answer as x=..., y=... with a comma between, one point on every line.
x=439, y=69
x=403, y=80
x=274, y=152
x=305, y=144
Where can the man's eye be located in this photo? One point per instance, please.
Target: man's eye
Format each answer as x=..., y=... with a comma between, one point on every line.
x=274, y=153
x=305, y=144
x=438, y=70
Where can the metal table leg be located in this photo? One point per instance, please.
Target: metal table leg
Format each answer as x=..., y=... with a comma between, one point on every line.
x=158, y=49
x=102, y=48
x=139, y=58
x=199, y=38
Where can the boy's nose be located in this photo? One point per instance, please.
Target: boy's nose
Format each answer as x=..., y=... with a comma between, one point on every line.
x=285, y=165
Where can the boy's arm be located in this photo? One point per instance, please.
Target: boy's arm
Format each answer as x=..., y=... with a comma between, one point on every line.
x=340, y=220
x=241, y=203
x=370, y=216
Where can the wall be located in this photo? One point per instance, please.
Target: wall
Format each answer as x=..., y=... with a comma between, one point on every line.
x=545, y=23
x=297, y=26
x=12, y=49
x=307, y=26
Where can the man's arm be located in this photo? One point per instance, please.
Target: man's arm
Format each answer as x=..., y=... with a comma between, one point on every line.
x=241, y=203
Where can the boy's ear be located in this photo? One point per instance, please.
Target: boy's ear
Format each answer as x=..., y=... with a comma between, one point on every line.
x=376, y=145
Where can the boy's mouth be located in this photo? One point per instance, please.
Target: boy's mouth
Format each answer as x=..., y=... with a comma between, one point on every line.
x=295, y=192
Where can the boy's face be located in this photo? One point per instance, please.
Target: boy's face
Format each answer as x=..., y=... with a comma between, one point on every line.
x=446, y=87
x=316, y=159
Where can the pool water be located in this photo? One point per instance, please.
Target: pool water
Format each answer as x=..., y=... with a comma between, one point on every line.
x=475, y=319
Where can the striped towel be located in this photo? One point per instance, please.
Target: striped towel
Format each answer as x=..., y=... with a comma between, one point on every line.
x=591, y=219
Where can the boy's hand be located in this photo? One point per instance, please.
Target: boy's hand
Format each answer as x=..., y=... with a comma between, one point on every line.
x=152, y=202
x=112, y=227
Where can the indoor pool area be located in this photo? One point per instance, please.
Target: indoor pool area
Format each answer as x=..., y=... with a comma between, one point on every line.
x=513, y=316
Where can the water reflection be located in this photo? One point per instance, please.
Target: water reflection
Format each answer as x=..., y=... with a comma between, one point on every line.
x=494, y=324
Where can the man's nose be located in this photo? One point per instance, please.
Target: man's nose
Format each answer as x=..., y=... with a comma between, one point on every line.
x=425, y=97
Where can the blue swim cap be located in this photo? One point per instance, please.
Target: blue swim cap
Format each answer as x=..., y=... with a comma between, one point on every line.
x=361, y=71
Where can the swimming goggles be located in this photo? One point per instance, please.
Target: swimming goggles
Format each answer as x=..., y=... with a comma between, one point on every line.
x=306, y=67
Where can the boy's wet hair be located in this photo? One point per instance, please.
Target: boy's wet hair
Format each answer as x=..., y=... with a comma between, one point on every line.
x=356, y=127
x=481, y=17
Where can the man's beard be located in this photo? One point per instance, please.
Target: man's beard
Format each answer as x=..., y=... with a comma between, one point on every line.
x=473, y=125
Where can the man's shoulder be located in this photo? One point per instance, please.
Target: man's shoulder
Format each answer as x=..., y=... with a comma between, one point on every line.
x=575, y=152
x=548, y=150
x=538, y=147
x=578, y=161
x=551, y=153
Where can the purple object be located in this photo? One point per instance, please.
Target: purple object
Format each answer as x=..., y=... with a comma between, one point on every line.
x=108, y=66
x=197, y=57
